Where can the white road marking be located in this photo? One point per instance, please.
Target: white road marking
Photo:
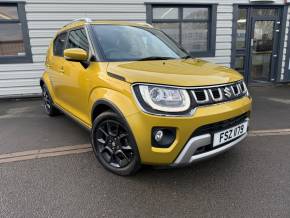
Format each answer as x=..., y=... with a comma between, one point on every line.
x=270, y=132
x=84, y=148
x=280, y=100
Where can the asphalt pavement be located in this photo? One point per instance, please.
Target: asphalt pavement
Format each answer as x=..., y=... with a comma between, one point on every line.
x=25, y=126
x=251, y=180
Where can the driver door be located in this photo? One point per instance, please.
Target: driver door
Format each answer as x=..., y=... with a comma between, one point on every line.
x=75, y=87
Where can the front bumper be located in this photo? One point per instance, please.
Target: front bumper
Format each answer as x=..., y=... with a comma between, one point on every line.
x=187, y=128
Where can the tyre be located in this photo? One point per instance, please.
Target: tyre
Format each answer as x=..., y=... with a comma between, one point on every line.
x=114, y=144
x=49, y=108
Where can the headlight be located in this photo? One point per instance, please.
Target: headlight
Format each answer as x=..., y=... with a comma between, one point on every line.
x=165, y=99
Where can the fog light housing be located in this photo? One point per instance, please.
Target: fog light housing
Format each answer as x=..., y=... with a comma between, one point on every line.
x=163, y=137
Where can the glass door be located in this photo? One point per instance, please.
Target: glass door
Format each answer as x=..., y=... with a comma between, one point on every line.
x=241, y=44
x=256, y=42
x=262, y=47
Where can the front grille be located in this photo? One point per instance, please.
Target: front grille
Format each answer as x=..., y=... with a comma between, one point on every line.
x=218, y=94
x=216, y=127
x=219, y=126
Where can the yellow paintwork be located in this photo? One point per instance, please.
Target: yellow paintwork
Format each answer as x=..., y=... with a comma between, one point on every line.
x=75, y=54
x=141, y=126
x=191, y=72
x=75, y=89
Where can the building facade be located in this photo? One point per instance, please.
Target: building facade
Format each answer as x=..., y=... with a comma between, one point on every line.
x=250, y=36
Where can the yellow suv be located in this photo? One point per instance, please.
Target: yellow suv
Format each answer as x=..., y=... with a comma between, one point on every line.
x=142, y=96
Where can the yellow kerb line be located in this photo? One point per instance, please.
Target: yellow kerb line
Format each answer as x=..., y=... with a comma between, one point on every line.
x=42, y=153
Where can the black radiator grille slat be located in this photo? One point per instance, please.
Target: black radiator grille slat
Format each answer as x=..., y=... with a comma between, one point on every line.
x=215, y=127
x=200, y=95
x=216, y=93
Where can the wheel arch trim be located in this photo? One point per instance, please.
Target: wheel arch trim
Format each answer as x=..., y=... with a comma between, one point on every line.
x=116, y=110
x=46, y=81
x=109, y=104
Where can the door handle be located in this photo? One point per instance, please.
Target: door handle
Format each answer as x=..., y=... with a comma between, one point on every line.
x=48, y=65
x=275, y=56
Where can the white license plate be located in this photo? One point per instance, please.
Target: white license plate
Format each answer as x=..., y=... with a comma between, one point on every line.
x=229, y=134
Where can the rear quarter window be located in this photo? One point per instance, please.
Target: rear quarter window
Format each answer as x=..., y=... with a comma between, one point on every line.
x=59, y=44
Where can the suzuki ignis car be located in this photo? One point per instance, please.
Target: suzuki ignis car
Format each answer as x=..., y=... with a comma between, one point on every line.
x=142, y=96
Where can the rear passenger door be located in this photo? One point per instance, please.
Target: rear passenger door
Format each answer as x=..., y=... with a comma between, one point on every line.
x=55, y=65
x=75, y=84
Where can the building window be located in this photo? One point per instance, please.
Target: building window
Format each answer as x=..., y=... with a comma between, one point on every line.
x=192, y=26
x=14, y=39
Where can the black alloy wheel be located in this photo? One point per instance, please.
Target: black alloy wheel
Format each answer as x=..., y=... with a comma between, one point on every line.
x=114, y=145
x=48, y=103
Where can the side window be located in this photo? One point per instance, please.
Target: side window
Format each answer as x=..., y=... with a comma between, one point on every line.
x=78, y=39
x=58, y=45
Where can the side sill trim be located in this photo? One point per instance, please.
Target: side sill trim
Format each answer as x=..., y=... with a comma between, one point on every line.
x=82, y=124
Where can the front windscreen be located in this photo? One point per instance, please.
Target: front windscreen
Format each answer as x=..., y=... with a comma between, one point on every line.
x=130, y=43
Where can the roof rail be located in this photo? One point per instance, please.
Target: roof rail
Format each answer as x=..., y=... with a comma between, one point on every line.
x=87, y=20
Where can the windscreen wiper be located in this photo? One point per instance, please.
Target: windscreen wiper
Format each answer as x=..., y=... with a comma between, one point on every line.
x=155, y=58
x=186, y=57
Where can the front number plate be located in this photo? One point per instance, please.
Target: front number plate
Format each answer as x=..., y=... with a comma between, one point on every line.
x=229, y=134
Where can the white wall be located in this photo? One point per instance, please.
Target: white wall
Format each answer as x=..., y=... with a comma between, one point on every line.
x=45, y=17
